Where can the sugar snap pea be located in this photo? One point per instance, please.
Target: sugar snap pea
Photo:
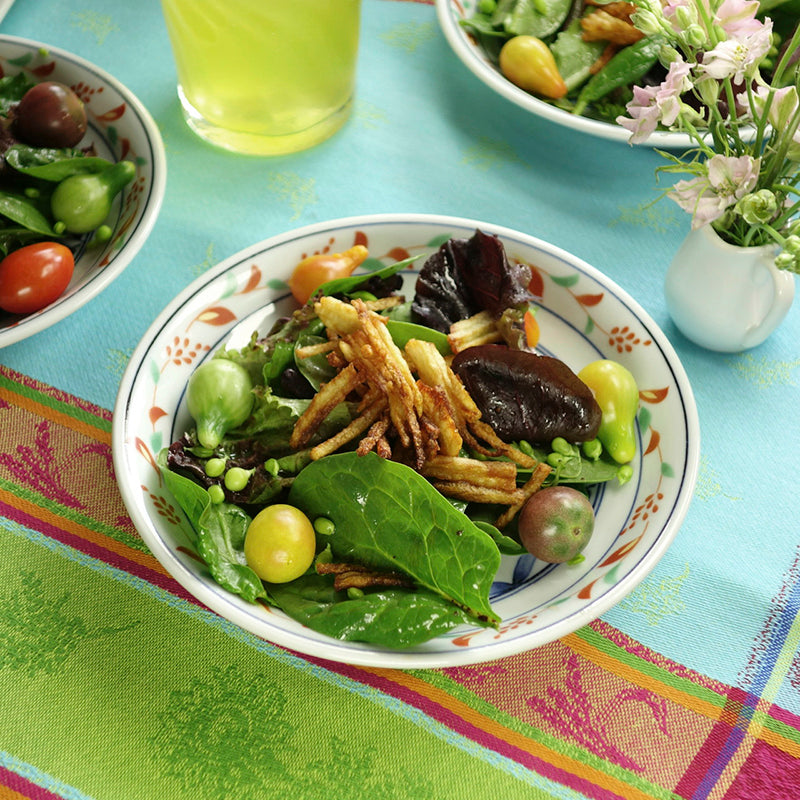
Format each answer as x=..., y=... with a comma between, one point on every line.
x=625, y=68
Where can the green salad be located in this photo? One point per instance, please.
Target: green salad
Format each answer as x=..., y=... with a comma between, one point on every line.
x=360, y=466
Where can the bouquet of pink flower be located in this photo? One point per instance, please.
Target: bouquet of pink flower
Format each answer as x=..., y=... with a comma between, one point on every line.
x=744, y=166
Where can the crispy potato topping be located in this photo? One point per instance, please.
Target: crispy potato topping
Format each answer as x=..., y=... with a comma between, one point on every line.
x=477, y=329
x=411, y=407
x=601, y=26
x=357, y=576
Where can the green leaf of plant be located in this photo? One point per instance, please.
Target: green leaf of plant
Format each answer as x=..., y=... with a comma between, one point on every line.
x=21, y=210
x=402, y=332
x=51, y=164
x=389, y=517
x=390, y=617
x=220, y=542
x=352, y=282
x=220, y=530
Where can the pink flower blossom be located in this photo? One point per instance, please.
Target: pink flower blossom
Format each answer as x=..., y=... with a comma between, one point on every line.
x=736, y=58
x=653, y=105
x=707, y=197
x=737, y=17
x=643, y=114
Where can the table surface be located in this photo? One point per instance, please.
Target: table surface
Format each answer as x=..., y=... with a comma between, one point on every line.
x=114, y=684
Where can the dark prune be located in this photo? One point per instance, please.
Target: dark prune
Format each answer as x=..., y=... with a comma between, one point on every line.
x=527, y=396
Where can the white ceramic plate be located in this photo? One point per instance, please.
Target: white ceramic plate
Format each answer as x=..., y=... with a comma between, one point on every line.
x=450, y=12
x=120, y=128
x=583, y=316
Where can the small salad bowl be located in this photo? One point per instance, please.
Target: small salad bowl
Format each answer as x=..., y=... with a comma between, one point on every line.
x=120, y=128
x=450, y=14
x=583, y=316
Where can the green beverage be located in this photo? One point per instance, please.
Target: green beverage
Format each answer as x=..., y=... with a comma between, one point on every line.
x=264, y=77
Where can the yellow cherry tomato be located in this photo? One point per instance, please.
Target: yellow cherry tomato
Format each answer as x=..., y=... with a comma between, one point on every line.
x=528, y=63
x=280, y=544
x=315, y=270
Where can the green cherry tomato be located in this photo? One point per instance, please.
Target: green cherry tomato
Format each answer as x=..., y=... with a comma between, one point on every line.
x=82, y=202
x=556, y=523
x=34, y=276
x=280, y=544
x=219, y=397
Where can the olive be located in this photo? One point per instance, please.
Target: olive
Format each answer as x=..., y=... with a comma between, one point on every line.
x=50, y=114
x=556, y=523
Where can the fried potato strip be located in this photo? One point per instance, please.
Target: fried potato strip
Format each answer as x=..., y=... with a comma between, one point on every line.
x=412, y=407
x=601, y=26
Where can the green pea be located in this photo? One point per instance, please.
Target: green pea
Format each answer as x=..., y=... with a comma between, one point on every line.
x=557, y=459
x=561, y=445
x=102, y=235
x=323, y=526
x=272, y=467
x=236, y=478
x=487, y=6
x=215, y=467
x=216, y=494
x=354, y=593
x=592, y=449
x=527, y=448
x=624, y=474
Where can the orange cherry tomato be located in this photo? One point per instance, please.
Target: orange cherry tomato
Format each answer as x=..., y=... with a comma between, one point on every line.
x=313, y=271
x=34, y=276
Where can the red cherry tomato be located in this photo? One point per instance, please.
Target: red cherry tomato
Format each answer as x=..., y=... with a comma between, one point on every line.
x=34, y=276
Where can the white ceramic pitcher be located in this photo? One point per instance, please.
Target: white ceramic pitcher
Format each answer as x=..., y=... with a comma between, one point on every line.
x=724, y=297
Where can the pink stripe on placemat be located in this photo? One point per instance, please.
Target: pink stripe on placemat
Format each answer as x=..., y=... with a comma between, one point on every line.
x=23, y=788
x=473, y=726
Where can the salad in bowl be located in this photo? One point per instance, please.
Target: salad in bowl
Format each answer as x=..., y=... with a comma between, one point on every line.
x=416, y=448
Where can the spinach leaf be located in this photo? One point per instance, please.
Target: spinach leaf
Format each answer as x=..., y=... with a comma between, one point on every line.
x=52, y=164
x=220, y=541
x=12, y=90
x=531, y=17
x=315, y=369
x=191, y=497
x=505, y=544
x=24, y=212
x=220, y=530
x=574, y=57
x=391, y=518
x=353, y=282
x=391, y=618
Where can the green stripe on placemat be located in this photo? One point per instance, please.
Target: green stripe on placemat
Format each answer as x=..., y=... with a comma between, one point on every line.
x=244, y=719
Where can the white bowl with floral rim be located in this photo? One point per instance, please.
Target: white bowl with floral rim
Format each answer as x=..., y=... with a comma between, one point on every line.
x=120, y=128
x=582, y=315
x=450, y=14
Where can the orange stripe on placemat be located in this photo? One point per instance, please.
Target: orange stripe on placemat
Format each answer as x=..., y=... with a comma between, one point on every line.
x=511, y=737
x=27, y=403
x=75, y=528
x=10, y=794
x=612, y=665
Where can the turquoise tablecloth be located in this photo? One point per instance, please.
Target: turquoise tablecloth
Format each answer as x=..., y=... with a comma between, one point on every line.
x=426, y=136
